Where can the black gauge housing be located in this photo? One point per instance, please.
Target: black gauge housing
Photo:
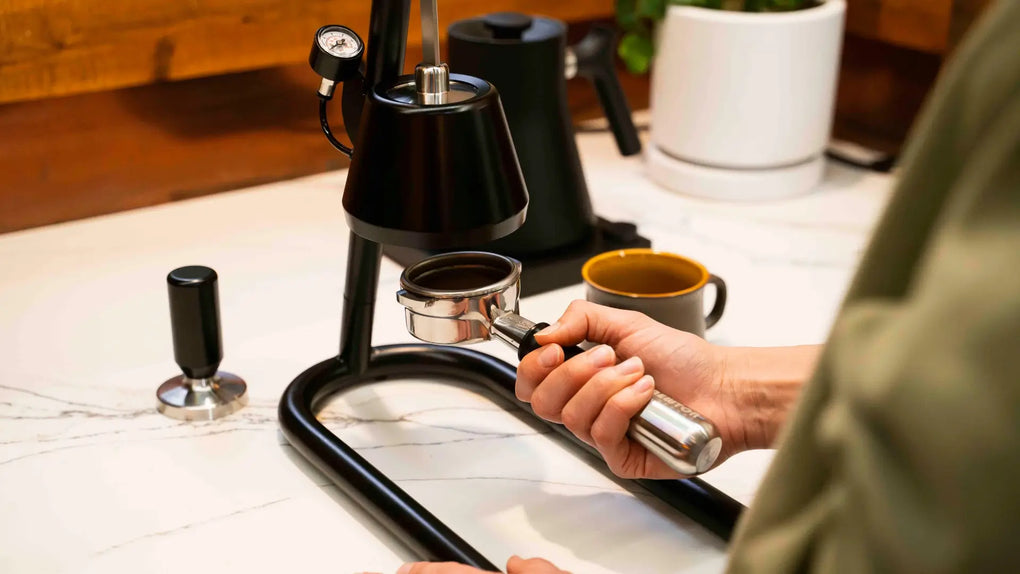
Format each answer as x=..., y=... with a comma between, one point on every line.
x=331, y=66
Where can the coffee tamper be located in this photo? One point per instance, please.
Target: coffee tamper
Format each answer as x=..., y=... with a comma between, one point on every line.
x=472, y=296
x=202, y=392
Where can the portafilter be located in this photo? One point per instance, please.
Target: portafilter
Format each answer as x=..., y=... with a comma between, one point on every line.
x=472, y=296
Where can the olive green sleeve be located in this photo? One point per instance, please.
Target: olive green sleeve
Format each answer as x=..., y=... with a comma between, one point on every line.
x=904, y=452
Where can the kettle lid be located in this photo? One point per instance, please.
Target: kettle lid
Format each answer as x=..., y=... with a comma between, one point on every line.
x=507, y=28
x=507, y=25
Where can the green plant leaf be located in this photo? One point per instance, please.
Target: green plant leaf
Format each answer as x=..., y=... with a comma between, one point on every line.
x=626, y=14
x=654, y=10
x=636, y=51
x=699, y=3
x=785, y=5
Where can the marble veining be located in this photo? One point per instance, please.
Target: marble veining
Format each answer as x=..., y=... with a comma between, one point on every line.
x=93, y=479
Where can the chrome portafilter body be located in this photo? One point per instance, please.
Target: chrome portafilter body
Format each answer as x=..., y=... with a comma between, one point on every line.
x=454, y=298
x=472, y=296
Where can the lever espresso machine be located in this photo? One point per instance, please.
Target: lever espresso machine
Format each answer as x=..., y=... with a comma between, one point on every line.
x=528, y=59
x=433, y=167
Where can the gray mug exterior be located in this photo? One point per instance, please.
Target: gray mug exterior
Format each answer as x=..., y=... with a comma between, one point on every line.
x=685, y=312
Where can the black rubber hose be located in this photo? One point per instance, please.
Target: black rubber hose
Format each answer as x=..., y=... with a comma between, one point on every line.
x=324, y=122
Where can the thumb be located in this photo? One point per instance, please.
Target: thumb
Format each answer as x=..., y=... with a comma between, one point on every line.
x=587, y=321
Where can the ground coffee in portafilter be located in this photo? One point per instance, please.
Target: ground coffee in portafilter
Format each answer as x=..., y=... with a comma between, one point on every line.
x=460, y=277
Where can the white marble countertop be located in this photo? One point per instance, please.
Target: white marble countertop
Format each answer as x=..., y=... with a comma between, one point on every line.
x=93, y=479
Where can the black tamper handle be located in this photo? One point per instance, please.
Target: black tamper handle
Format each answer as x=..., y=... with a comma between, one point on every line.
x=195, y=320
x=595, y=61
x=529, y=344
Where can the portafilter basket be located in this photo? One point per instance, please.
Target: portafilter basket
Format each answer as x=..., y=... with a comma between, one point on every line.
x=472, y=296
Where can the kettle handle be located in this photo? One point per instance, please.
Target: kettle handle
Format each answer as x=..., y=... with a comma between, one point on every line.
x=594, y=55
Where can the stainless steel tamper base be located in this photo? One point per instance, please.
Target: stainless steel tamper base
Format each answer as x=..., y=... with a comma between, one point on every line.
x=202, y=399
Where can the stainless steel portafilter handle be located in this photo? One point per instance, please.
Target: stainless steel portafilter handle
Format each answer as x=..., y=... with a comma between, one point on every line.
x=679, y=436
x=468, y=297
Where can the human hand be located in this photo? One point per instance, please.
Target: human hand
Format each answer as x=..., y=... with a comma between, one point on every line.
x=595, y=395
x=515, y=565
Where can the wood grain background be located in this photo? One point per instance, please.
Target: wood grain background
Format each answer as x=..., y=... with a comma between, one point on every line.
x=62, y=47
x=112, y=105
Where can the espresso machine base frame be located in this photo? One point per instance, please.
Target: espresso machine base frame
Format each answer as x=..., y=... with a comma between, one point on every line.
x=408, y=520
x=360, y=363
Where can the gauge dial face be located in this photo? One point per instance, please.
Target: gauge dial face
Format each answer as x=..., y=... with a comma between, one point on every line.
x=339, y=42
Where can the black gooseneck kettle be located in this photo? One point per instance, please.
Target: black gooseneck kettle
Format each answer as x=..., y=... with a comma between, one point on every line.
x=529, y=62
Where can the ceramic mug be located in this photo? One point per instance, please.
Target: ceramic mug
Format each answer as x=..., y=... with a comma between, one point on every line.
x=667, y=287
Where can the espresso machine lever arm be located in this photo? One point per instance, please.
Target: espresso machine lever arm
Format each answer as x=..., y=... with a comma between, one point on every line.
x=431, y=76
x=430, y=33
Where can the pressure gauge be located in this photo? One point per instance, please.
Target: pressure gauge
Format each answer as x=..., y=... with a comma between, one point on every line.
x=339, y=42
x=336, y=53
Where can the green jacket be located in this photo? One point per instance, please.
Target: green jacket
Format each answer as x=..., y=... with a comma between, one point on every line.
x=903, y=454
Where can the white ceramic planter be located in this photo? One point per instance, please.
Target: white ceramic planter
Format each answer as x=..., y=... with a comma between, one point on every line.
x=742, y=103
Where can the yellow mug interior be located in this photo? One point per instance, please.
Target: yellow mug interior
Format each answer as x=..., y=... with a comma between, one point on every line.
x=644, y=273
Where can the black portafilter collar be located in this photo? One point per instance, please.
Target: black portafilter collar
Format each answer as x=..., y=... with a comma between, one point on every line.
x=434, y=176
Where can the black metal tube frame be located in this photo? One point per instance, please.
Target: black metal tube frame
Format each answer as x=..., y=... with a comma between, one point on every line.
x=359, y=363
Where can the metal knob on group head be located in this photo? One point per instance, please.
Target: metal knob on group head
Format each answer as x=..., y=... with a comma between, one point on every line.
x=468, y=297
x=202, y=392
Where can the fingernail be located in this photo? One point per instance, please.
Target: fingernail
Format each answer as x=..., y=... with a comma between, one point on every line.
x=405, y=569
x=549, y=357
x=550, y=329
x=643, y=384
x=631, y=365
x=603, y=356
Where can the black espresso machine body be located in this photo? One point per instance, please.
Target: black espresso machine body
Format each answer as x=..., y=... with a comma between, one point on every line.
x=529, y=62
x=433, y=167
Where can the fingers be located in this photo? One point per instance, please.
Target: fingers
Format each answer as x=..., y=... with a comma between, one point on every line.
x=587, y=321
x=534, y=368
x=609, y=431
x=437, y=568
x=563, y=382
x=581, y=321
x=581, y=410
x=518, y=565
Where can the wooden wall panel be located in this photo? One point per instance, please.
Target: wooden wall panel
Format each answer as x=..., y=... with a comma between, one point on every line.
x=78, y=156
x=916, y=24
x=62, y=47
x=881, y=89
x=89, y=154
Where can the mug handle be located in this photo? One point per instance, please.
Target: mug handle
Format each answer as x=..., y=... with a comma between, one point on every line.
x=720, y=301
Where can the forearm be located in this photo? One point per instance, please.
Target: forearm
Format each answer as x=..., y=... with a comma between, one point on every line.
x=766, y=382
